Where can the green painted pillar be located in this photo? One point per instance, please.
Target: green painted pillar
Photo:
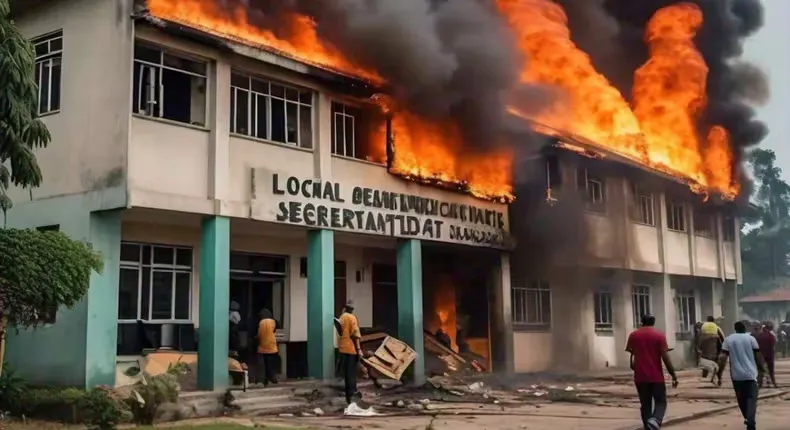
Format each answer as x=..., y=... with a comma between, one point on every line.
x=320, y=303
x=102, y=301
x=410, y=303
x=214, y=304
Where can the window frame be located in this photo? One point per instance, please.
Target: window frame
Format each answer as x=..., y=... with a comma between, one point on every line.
x=252, y=130
x=157, y=94
x=675, y=208
x=49, y=58
x=640, y=295
x=530, y=296
x=154, y=267
x=728, y=230
x=589, y=180
x=285, y=276
x=603, y=310
x=685, y=313
x=643, y=206
x=710, y=232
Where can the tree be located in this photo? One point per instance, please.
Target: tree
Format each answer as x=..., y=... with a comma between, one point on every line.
x=765, y=247
x=39, y=271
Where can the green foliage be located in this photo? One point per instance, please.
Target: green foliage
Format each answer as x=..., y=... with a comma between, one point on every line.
x=96, y=408
x=100, y=410
x=154, y=391
x=20, y=129
x=40, y=271
x=12, y=388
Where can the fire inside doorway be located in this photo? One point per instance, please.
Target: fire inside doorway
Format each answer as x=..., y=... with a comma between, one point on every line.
x=457, y=284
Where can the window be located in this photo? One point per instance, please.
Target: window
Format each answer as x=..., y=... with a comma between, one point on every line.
x=169, y=86
x=676, y=216
x=703, y=224
x=155, y=283
x=686, y=312
x=643, y=206
x=532, y=304
x=271, y=111
x=592, y=187
x=640, y=300
x=603, y=310
x=728, y=228
x=49, y=53
x=352, y=128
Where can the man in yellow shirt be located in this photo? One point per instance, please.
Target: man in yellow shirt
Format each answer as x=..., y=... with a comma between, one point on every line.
x=268, y=354
x=349, y=349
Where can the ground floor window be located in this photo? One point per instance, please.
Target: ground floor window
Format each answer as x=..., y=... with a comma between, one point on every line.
x=531, y=304
x=686, y=311
x=640, y=299
x=155, y=283
x=602, y=300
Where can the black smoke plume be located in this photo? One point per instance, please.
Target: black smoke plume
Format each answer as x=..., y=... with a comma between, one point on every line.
x=444, y=60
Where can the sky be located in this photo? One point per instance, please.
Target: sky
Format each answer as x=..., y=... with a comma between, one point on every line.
x=769, y=49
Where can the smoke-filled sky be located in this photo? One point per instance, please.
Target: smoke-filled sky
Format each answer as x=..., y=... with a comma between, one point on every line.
x=768, y=49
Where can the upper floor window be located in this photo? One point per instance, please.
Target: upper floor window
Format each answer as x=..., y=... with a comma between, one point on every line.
x=703, y=224
x=643, y=206
x=676, y=216
x=351, y=131
x=271, y=111
x=531, y=304
x=728, y=229
x=169, y=86
x=49, y=52
x=593, y=187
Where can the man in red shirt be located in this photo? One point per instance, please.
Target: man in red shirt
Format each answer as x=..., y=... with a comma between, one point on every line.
x=766, y=339
x=648, y=348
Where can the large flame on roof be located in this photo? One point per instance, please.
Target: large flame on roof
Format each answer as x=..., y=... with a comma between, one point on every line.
x=660, y=130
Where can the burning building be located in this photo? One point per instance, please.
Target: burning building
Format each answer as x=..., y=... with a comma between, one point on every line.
x=293, y=155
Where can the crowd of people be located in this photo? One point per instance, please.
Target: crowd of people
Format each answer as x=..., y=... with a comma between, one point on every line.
x=750, y=351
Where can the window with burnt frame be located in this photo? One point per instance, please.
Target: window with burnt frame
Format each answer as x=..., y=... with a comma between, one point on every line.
x=676, y=216
x=703, y=224
x=593, y=188
x=49, y=53
x=352, y=131
x=728, y=229
x=169, y=86
x=643, y=206
x=271, y=111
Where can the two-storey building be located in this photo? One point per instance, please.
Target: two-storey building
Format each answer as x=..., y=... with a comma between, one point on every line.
x=207, y=171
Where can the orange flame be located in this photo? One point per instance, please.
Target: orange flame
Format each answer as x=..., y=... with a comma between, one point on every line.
x=660, y=130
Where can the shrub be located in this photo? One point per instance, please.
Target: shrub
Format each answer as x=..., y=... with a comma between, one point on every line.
x=152, y=392
x=12, y=389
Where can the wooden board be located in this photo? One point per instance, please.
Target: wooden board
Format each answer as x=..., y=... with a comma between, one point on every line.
x=392, y=358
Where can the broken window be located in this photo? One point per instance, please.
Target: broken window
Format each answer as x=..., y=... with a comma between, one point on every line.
x=593, y=189
x=728, y=228
x=271, y=111
x=49, y=52
x=351, y=132
x=169, y=86
x=603, y=310
x=703, y=224
x=676, y=216
x=640, y=301
x=643, y=206
x=531, y=304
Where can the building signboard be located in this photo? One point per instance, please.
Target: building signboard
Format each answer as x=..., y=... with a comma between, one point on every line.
x=289, y=199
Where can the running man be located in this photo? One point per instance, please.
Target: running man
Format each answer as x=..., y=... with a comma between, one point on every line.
x=766, y=340
x=744, y=354
x=648, y=349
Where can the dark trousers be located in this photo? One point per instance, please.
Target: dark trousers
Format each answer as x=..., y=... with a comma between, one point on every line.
x=653, y=400
x=746, y=393
x=350, y=366
x=770, y=364
x=266, y=368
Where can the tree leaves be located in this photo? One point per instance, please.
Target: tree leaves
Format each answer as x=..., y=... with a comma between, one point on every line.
x=41, y=271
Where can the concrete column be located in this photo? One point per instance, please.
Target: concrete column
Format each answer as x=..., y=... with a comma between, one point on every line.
x=320, y=303
x=502, y=321
x=663, y=306
x=219, y=140
x=622, y=315
x=102, y=316
x=410, y=329
x=729, y=306
x=322, y=151
x=214, y=300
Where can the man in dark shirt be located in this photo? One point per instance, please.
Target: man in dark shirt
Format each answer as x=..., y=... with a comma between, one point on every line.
x=648, y=348
x=766, y=339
